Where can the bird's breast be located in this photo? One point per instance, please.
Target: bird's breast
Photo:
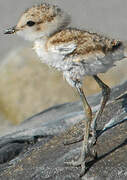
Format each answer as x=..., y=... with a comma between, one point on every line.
x=48, y=57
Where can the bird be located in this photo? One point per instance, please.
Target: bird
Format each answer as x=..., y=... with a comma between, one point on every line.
x=77, y=53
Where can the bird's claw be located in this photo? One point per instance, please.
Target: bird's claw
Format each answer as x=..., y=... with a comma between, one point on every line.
x=91, y=152
x=78, y=163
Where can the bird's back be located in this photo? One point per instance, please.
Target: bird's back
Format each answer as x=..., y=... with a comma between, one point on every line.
x=85, y=53
x=84, y=44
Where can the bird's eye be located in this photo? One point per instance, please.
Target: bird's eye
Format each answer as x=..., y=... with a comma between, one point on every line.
x=30, y=23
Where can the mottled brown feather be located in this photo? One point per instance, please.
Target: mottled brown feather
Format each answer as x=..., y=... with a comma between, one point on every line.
x=86, y=42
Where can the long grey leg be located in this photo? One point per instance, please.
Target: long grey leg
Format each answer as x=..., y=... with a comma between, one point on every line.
x=89, y=123
x=88, y=120
x=105, y=97
x=85, y=146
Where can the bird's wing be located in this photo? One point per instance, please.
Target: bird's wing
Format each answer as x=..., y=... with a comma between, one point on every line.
x=97, y=55
x=64, y=48
x=81, y=45
x=71, y=48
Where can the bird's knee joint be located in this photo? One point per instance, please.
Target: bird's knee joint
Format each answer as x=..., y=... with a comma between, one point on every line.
x=89, y=111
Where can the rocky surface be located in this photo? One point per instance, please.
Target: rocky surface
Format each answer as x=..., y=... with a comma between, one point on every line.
x=35, y=150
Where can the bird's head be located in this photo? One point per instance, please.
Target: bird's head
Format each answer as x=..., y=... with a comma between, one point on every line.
x=39, y=21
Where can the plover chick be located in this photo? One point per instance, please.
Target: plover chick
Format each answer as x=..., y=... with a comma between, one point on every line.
x=77, y=53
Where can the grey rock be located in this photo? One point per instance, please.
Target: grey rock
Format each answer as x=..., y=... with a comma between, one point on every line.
x=36, y=149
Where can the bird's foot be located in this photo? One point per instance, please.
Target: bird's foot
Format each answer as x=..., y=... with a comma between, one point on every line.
x=91, y=152
x=78, y=163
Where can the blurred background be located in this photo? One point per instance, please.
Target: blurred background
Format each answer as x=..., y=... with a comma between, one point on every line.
x=26, y=85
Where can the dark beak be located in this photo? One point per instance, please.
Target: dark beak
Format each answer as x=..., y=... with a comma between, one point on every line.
x=10, y=31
